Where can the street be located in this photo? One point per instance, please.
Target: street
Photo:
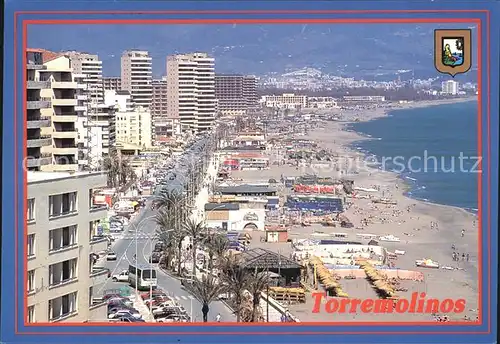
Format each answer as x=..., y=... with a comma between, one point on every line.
x=125, y=249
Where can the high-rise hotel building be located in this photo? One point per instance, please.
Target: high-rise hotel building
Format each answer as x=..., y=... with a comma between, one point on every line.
x=137, y=76
x=191, y=90
x=235, y=93
x=90, y=67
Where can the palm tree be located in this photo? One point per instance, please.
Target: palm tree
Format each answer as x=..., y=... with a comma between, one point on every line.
x=118, y=168
x=194, y=229
x=258, y=283
x=217, y=246
x=166, y=235
x=206, y=290
x=237, y=279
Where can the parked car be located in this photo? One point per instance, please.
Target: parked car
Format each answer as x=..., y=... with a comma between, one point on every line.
x=119, y=302
x=155, y=258
x=124, y=312
x=111, y=256
x=174, y=318
x=159, y=247
x=130, y=319
x=156, y=292
x=121, y=277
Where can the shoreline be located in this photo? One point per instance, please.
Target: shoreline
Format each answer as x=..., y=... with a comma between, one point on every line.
x=386, y=113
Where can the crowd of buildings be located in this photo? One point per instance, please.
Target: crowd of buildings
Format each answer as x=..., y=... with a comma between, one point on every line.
x=75, y=114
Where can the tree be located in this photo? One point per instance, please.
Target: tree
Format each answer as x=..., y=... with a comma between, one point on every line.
x=206, y=290
x=195, y=230
x=172, y=206
x=237, y=279
x=258, y=283
x=166, y=235
x=217, y=247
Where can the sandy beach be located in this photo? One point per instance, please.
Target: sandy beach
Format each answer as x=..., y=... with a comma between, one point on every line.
x=426, y=230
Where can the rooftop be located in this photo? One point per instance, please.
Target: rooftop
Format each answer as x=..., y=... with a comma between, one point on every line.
x=221, y=206
x=38, y=176
x=259, y=258
x=245, y=188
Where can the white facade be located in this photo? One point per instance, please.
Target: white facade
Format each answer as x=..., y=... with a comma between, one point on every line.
x=137, y=76
x=246, y=218
x=285, y=101
x=321, y=103
x=449, y=87
x=122, y=100
x=62, y=282
x=63, y=114
x=191, y=90
x=134, y=127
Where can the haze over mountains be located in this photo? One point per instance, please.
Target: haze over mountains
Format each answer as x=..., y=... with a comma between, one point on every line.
x=374, y=51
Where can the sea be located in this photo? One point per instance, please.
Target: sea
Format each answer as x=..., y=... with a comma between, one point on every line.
x=433, y=149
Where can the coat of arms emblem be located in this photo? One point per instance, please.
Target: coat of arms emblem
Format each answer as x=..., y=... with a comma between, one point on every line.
x=452, y=51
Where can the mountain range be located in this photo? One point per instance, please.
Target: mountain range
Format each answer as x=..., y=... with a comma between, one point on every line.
x=367, y=51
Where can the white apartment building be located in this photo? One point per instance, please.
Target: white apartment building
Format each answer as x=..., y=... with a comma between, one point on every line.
x=134, y=127
x=90, y=67
x=137, y=76
x=284, y=101
x=122, y=100
x=35, y=121
x=62, y=282
x=450, y=87
x=62, y=94
x=191, y=90
x=321, y=103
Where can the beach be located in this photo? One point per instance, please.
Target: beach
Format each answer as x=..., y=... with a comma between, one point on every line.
x=426, y=230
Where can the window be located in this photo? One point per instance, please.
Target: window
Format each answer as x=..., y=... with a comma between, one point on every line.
x=31, y=314
x=62, y=272
x=61, y=238
x=31, y=245
x=31, y=210
x=31, y=281
x=62, y=204
x=62, y=306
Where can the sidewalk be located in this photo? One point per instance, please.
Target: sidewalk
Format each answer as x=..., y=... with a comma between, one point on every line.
x=141, y=307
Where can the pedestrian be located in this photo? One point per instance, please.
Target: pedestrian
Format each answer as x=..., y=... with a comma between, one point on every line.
x=463, y=256
x=467, y=257
x=217, y=318
x=463, y=232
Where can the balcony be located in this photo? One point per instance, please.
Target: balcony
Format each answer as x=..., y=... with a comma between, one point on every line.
x=42, y=103
x=44, y=159
x=37, y=122
x=64, y=84
x=98, y=244
x=65, y=117
x=37, y=84
x=35, y=66
x=65, y=134
x=42, y=141
x=64, y=102
x=98, y=276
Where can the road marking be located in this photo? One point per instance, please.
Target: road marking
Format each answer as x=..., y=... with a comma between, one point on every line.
x=183, y=297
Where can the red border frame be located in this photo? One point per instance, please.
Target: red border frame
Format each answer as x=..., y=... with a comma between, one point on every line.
x=476, y=21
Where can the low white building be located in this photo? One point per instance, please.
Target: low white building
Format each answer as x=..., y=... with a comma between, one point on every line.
x=62, y=282
x=236, y=216
x=134, y=127
x=285, y=101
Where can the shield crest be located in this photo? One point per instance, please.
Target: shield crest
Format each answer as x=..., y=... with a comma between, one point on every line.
x=453, y=51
